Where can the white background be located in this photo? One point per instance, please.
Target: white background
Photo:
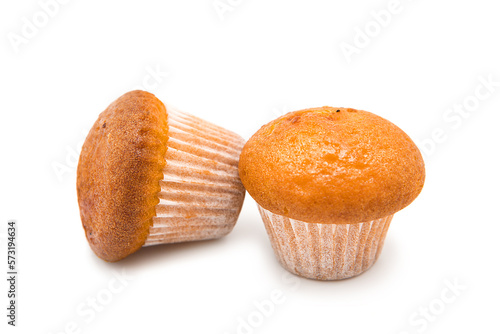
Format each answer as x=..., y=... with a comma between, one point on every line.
x=240, y=70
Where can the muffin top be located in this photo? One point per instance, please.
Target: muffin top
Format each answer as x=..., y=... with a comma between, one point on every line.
x=118, y=174
x=332, y=165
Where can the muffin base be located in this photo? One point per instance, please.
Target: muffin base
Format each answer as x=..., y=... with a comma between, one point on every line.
x=201, y=192
x=325, y=251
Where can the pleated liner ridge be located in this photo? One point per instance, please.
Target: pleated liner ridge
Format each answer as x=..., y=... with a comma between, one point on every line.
x=201, y=193
x=325, y=251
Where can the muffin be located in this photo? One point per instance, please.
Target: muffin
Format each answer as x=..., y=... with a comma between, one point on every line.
x=327, y=182
x=150, y=174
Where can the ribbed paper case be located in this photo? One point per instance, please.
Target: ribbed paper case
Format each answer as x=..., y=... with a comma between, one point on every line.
x=325, y=251
x=201, y=193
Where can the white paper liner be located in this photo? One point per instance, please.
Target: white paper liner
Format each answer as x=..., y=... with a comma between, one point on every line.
x=325, y=251
x=201, y=192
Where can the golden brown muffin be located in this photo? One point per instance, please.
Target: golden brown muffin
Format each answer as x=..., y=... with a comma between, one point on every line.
x=327, y=182
x=148, y=175
x=332, y=165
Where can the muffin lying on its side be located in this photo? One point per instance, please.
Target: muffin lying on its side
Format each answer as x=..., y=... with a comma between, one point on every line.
x=150, y=175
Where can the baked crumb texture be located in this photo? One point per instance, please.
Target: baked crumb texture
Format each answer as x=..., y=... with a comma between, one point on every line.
x=120, y=165
x=332, y=165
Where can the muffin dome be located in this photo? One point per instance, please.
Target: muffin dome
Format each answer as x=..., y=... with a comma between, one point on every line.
x=118, y=174
x=332, y=165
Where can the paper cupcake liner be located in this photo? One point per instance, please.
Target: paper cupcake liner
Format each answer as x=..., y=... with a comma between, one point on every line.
x=325, y=251
x=201, y=192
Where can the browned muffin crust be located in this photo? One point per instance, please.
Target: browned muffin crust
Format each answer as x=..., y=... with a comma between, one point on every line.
x=332, y=165
x=118, y=174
